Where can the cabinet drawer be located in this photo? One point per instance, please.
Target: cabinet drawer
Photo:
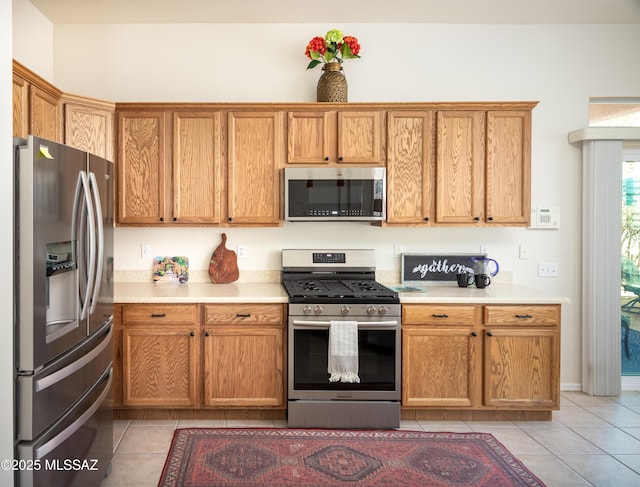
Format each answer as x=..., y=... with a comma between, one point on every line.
x=151, y=314
x=245, y=314
x=522, y=315
x=419, y=314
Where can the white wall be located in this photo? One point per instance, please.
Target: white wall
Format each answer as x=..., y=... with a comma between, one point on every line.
x=32, y=39
x=6, y=245
x=559, y=65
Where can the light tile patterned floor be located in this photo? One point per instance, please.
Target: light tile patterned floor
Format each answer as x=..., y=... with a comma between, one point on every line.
x=590, y=441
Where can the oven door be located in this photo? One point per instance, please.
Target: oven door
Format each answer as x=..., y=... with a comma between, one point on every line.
x=378, y=358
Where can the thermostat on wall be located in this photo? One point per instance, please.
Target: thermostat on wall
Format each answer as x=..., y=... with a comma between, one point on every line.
x=545, y=217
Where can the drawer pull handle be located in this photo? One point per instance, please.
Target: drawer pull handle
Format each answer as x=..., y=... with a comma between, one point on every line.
x=440, y=316
x=158, y=315
x=243, y=315
x=524, y=317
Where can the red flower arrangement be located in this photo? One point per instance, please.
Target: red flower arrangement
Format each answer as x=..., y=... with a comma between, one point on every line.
x=333, y=47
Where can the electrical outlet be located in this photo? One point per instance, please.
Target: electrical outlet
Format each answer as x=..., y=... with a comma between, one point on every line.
x=242, y=251
x=524, y=252
x=398, y=250
x=548, y=269
x=145, y=250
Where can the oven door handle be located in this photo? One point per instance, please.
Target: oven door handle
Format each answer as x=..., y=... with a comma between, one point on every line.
x=325, y=324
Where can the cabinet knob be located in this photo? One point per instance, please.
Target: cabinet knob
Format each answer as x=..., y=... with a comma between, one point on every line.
x=175, y=218
x=230, y=219
x=474, y=334
x=489, y=334
x=490, y=218
x=326, y=158
x=161, y=218
x=476, y=218
x=192, y=334
x=426, y=218
x=206, y=333
x=341, y=158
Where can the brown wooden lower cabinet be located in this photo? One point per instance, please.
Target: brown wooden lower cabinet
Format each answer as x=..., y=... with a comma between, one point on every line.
x=198, y=356
x=480, y=361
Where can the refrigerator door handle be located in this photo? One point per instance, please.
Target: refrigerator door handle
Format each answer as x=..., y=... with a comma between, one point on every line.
x=57, y=440
x=81, y=207
x=98, y=247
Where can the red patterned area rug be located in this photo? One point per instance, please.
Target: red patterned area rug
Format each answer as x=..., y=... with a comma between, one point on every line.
x=304, y=458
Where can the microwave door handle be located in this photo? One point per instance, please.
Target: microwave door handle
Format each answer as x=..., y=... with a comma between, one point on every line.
x=97, y=249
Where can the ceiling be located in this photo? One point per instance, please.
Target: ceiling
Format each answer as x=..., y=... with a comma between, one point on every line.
x=349, y=11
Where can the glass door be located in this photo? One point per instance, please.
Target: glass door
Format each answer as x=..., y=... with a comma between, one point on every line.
x=630, y=268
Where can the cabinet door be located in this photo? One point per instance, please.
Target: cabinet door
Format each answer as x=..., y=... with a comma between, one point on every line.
x=440, y=366
x=309, y=139
x=410, y=167
x=521, y=367
x=196, y=168
x=20, y=107
x=243, y=366
x=360, y=137
x=460, y=165
x=508, y=170
x=160, y=366
x=89, y=128
x=141, y=168
x=254, y=156
x=44, y=114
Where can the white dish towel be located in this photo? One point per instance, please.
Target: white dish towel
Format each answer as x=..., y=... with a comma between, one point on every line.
x=343, y=351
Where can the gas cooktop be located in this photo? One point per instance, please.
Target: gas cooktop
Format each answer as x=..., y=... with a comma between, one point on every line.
x=338, y=290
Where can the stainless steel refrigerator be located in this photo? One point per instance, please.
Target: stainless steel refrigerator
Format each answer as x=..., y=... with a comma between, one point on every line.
x=63, y=315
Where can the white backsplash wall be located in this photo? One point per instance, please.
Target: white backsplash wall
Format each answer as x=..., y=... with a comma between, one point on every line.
x=264, y=246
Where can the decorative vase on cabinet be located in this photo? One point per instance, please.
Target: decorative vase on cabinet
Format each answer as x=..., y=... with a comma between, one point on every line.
x=332, y=85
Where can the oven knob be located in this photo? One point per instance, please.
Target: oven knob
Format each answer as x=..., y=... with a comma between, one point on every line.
x=345, y=310
x=382, y=310
x=307, y=309
x=317, y=310
x=371, y=310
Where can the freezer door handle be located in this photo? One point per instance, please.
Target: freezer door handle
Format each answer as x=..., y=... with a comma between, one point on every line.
x=73, y=367
x=57, y=440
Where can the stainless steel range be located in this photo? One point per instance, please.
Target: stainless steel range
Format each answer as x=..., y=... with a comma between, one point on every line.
x=340, y=316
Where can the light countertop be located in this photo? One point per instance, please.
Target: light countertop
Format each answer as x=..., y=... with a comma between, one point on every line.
x=273, y=292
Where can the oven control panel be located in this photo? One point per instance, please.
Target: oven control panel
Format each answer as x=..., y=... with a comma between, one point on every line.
x=329, y=258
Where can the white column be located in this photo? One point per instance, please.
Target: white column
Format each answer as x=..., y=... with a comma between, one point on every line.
x=601, y=199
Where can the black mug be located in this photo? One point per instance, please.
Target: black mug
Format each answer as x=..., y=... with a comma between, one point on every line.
x=482, y=280
x=465, y=279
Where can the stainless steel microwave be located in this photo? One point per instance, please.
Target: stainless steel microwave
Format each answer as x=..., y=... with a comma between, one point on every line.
x=335, y=193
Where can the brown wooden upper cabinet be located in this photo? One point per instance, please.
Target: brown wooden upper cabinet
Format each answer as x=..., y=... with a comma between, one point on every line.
x=89, y=125
x=410, y=167
x=180, y=185
x=329, y=137
x=36, y=106
x=483, y=167
x=254, y=154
